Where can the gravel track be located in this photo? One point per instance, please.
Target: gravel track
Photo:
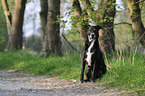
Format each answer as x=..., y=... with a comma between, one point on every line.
x=22, y=84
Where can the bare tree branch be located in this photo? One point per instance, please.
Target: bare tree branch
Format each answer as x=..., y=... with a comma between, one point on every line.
x=70, y=44
x=122, y=23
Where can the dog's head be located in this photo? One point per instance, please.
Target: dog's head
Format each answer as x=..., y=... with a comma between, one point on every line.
x=92, y=32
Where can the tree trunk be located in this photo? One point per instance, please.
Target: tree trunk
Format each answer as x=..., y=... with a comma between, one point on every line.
x=8, y=16
x=17, y=25
x=137, y=25
x=78, y=12
x=106, y=20
x=43, y=16
x=107, y=37
x=88, y=7
x=53, y=33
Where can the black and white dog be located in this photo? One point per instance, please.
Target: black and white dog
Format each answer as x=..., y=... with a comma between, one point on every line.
x=92, y=55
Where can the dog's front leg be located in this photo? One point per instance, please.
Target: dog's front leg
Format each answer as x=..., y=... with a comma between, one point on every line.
x=93, y=73
x=82, y=71
x=83, y=62
x=83, y=65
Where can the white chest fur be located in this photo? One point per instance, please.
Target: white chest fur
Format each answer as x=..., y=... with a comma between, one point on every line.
x=89, y=53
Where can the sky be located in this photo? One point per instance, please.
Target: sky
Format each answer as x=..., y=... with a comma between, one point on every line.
x=32, y=23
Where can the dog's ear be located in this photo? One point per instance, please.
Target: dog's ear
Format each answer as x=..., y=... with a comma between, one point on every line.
x=98, y=27
x=86, y=26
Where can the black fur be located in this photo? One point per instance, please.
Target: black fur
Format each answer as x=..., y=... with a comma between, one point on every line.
x=97, y=66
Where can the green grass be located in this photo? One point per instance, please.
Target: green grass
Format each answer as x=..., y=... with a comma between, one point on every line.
x=124, y=74
x=51, y=66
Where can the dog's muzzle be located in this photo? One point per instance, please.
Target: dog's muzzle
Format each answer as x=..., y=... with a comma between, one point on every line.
x=92, y=37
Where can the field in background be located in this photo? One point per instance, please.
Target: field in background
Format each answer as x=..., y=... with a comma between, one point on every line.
x=125, y=71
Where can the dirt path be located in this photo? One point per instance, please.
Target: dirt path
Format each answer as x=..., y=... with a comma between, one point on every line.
x=21, y=84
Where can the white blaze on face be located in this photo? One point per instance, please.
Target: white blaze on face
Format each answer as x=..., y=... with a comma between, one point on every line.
x=89, y=54
x=91, y=37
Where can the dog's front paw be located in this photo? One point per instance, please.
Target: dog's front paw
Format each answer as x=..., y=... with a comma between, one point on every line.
x=81, y=81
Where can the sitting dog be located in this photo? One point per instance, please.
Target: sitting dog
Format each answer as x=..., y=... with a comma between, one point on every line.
x=93, y=56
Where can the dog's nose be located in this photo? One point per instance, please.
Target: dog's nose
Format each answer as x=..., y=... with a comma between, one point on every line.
x=93, y=35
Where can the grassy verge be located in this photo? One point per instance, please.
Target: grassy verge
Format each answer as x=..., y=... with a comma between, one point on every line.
x=63, y=67
x=126, y=73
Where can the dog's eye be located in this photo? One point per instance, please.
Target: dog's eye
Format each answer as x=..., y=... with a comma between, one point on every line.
x=89, y=33
x=94, y=30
